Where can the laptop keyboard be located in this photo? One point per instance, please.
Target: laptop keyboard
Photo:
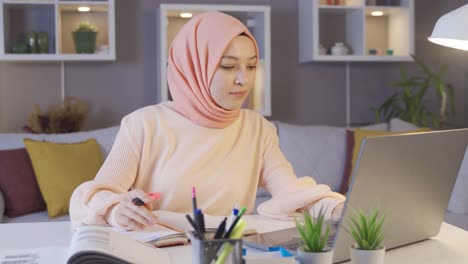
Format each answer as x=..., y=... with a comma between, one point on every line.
x=292, y=245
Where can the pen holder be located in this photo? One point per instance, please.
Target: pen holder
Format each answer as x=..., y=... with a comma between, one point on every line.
x=216, y=251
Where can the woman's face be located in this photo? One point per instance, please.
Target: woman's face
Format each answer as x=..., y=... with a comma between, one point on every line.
x=235, y=74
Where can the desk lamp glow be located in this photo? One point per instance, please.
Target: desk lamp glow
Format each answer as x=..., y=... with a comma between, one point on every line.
x=451, y=29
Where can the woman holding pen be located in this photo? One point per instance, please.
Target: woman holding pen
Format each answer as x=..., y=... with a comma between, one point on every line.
x=202, y=138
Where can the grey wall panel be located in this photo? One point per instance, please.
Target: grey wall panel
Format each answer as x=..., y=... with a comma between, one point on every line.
x=22, y=86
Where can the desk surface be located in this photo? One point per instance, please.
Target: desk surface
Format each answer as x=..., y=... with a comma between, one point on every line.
x=449, y=247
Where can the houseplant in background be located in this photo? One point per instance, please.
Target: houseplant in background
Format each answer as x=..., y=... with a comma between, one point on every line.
x=314, y=237
x=410, y=102
x=66, y=118
x=84, y=37
x=367, y=233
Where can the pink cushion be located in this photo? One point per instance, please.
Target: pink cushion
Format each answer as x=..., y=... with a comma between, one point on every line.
x=18, y=184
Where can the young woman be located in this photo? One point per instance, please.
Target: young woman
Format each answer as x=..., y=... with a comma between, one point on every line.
x=203, y=139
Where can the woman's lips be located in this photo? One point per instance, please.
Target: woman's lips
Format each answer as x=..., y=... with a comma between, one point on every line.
x=238, y=94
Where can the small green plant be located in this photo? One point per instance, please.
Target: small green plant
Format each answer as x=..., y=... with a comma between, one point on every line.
x=85, y=27
x=366, y=230
x=311, y=232
x=410, y=102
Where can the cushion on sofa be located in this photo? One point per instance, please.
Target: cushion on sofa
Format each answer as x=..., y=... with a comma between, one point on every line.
x=398, y=125
x=61, y=167
x=349, y=151
x=18, y=184
x=316, y=151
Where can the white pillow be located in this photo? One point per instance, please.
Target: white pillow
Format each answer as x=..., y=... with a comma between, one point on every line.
x=316, y=151
x=398, y=125
x=378, y=126
x=459, y=199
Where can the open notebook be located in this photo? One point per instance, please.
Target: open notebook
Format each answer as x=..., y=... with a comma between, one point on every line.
x=171, y=231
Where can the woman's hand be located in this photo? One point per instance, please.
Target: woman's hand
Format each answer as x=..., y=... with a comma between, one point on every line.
x=336, y=213
x=130, y=216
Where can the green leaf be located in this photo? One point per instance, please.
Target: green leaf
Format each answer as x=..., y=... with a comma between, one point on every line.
x=311, y=231
x=451, y=96
x=408, y=102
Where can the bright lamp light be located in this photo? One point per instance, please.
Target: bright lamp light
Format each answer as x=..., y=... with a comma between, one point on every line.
x=451, y=29
x=186, y=15
x=84, y=8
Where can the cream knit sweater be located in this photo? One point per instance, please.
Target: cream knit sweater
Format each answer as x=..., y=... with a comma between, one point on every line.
x=159, y=150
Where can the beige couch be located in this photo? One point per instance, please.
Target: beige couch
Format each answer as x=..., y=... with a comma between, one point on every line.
x=319, y=151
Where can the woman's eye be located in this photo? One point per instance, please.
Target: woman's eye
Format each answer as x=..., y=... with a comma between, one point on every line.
x=227, y=67
x=252, y=67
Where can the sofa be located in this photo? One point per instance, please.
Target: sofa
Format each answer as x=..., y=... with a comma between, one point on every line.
x=318, y=151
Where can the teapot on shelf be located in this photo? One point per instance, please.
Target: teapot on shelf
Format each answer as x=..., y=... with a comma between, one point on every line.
x=339, y=49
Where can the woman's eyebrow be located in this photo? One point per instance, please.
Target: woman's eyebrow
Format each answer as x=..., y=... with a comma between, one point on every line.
x=236, y=58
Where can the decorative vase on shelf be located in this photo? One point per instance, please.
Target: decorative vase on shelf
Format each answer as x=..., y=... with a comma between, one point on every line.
x=85, y=42
x=20, y=48
x=84, y=37
x=43, y=42
x=322, y=50
x=339, y=49
x=31, y=40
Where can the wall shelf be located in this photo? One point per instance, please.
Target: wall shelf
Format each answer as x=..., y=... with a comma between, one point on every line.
x=353, y=25
x=58, y=19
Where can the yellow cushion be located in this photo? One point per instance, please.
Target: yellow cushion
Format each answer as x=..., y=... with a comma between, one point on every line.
x=61, y=167
x=360, y=134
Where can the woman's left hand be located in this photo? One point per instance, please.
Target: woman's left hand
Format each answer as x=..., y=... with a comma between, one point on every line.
x=336, y=213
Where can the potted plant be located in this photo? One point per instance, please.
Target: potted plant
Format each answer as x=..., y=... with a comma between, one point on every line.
x=314, y=249
x=66, y=118
x=84, y=37
x=409, y=102
x=367, y=233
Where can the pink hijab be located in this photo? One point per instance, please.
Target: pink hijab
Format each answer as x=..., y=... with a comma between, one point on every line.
x=193, y=59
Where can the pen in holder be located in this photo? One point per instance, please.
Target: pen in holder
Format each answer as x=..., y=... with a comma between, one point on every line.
x=216, y=251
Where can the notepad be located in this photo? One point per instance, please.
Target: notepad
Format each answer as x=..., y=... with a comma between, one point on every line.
x=171, y=231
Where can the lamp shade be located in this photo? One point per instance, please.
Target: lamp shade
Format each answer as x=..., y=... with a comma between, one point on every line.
x=451, y=29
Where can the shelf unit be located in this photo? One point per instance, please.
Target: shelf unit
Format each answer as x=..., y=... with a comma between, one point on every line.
x=353, y=24
x=58, y=18
x=256, y=18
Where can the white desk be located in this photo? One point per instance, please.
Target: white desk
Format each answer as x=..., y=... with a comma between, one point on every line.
x=449, y=247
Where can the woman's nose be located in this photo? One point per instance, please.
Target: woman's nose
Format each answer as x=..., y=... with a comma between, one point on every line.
x=241, y=78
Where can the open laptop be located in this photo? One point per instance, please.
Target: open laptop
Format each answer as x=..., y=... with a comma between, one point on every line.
x=408, y=177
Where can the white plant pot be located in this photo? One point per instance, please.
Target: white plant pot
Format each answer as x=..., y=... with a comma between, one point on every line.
x=324, y=257
x=359, y=256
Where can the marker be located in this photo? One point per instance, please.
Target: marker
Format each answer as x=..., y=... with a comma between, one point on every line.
x=220, y=231
x=200, y=220
x=235, y=212
x=197, y=232
x=242, y=211
x=228, y=247
x=153, y=197
x=228, y=233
